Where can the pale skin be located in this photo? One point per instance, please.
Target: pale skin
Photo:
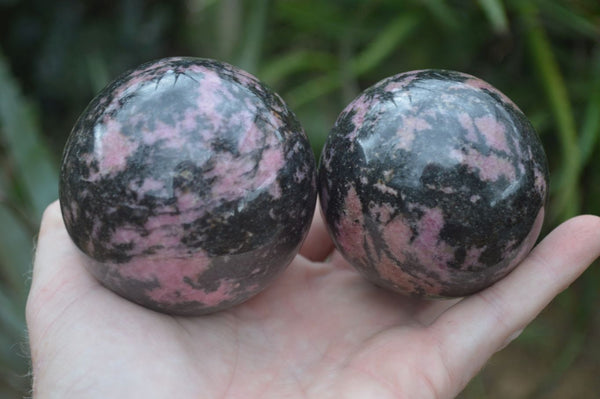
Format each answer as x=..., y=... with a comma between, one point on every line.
x=319, y=331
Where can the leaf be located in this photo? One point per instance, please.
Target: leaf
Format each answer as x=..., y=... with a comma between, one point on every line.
x=97, y=72
x=15, y=252
x=12, y=319
x=254, y=36
x=590, y=129
x=496, y=13
x=385, y=43
x=382, y=46
x=13, y=360
x=568, y=354
x=21, y=134
x=567, y=17
x=567, y=196
x=295, y=61
x=326, y=19
x=442, y=12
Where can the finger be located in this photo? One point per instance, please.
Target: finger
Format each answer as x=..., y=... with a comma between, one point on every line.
x=318, y=245
x=58, y=272
x=475, y=328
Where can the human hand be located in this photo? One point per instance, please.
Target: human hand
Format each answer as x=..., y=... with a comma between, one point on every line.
x=320, y=331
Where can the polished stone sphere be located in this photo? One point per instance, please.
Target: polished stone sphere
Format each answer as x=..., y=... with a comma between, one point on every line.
x=189, y=185
x=433, y=183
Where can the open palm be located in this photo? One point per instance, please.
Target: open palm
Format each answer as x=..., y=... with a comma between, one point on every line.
x=320, y=331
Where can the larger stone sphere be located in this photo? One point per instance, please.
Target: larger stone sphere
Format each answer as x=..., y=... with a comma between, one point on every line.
x=433, y=183
x=189, y=184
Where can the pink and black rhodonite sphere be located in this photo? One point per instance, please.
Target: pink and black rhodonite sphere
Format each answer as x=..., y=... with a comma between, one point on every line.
x=189, y=183
x=433, y=183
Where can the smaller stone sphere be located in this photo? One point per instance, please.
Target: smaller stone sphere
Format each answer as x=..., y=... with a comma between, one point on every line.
x=433, y=183
x=189, y=184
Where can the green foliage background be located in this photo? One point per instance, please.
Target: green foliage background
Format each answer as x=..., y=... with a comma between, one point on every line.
x=544, y=54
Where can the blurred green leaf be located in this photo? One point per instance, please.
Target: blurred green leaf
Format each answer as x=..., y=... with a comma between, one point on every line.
x=12, y=317
x=325, y=18
x=98, y=72
x=295, y=61
x=569, y=19
x=20, y=132
x=475, y=389
x=442, y=12
x=567, y=355
x=13, y=361
x=228, y=27
x=254, y=36
x=566, y=189
x=590, y=129
x=496, y=13
x=388, y=40
x=200, y=5
x=15, y=252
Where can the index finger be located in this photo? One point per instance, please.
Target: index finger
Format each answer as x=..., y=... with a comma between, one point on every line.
x=474, y=329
